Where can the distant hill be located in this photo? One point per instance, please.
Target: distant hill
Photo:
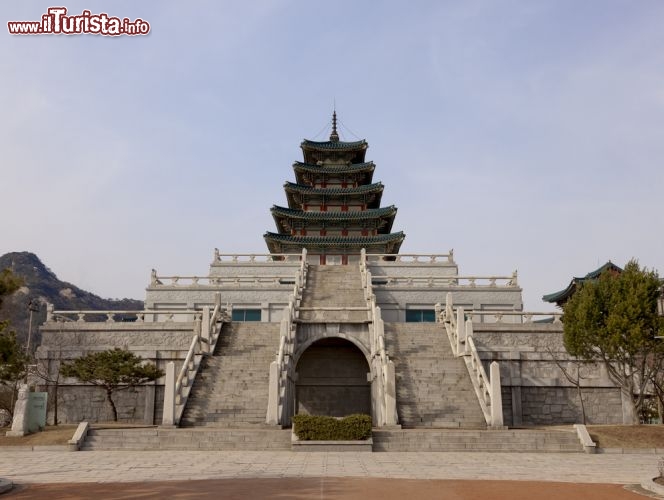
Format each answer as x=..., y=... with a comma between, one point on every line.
x=41, y=285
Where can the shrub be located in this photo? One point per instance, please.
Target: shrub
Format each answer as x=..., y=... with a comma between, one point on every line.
x=319, y=428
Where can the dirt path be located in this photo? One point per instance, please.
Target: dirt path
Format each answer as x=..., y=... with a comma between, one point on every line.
x=328, y=488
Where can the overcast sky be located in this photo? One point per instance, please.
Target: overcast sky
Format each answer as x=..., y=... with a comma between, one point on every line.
x=524, y=134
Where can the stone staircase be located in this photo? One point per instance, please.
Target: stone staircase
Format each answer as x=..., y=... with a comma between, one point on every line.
x=231, y=388
x=448, y=440
x=335, y=292
x=193, y=438
x=433, y=387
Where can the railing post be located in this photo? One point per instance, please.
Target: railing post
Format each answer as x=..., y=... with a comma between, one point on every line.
x=49, y=312
x=169, y=396
x=460, y=329
x=468, y=332
x=496, y=396
x=205, y=329
x=197, y=330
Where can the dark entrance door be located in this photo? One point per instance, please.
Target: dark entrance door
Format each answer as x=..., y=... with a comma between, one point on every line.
x=332, y=380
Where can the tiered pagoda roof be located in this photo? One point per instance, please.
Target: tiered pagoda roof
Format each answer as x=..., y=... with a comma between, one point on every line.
x=306, y=172
x=334, y=205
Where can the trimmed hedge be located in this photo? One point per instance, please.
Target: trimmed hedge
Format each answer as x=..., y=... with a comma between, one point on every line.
x=319, y=428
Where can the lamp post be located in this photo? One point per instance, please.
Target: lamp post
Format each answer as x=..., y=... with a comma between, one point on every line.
x=33, y=306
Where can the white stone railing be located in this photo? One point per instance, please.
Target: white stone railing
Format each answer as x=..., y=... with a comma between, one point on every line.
x=142, y=316
x=512, y=317
x=207, y=329
x=216, y=281
x=281, y=390
x=410, y=258
x=255, y=257
x=447, y=281
x=487, y=388
x=385, y=413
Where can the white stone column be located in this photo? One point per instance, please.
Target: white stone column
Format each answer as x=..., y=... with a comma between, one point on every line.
x=168, y=418
x=390, y=395
x=496, y=396
x=272, y=416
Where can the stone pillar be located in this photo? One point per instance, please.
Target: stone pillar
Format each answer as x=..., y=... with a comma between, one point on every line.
x=272, y=417
x=20, y=421
x=496, y=396
x=390, y=394
x=169, y=396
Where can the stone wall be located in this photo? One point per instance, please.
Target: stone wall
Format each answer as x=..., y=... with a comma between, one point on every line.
x=532, y=357
x=157, y=342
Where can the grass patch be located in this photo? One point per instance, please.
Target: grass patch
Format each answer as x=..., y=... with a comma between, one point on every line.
x=52, y=434
x=320, y=428
x=627, y=436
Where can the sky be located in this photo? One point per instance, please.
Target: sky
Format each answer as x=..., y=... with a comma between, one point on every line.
x=524, y=134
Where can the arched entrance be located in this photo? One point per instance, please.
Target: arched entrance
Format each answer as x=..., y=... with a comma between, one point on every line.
x=332, y=379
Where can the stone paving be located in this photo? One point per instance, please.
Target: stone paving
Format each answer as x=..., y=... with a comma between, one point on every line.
x=123, y=466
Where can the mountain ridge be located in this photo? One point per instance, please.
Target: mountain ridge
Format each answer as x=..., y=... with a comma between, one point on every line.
x=41, y=285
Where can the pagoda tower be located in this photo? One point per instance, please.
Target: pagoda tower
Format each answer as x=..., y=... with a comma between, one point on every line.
x=334, y=206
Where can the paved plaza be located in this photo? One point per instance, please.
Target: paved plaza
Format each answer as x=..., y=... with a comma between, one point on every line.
x=122, y=466
x=331, y=475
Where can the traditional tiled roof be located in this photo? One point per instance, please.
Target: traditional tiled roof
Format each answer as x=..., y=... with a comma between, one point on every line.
x=335, y=215
x=368, y=166
x=339, y=241
x=300, y=188
x=334, y=145
x=561, y=296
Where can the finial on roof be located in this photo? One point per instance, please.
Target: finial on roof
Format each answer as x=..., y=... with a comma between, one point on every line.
x=334, y=136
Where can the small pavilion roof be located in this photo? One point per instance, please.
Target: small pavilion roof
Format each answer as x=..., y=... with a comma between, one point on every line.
x=561, y=296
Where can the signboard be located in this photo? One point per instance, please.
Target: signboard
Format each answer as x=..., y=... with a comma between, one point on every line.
x=36, y=411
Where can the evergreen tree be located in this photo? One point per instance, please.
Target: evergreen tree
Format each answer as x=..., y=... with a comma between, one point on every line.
x=613, y=320
x=114, y=370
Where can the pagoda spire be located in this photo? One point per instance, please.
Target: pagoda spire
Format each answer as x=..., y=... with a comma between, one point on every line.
x=334, y=136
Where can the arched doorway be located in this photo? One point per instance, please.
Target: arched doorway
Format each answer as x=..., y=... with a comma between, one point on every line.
x=332, y=379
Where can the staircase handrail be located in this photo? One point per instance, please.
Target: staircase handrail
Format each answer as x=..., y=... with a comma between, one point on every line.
x=279, y=369
x=207, y=329
x=383, y=369
x=460, y=333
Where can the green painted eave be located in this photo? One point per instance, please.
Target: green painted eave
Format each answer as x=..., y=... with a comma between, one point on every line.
x=301, y=188
x=373, y=213
x=334, y=169
x=335, y=241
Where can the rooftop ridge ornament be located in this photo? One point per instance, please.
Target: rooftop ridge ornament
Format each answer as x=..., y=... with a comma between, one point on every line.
x=334, y=136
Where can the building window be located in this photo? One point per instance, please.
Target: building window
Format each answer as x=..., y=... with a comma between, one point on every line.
x=420, y=316
x=246, y=315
